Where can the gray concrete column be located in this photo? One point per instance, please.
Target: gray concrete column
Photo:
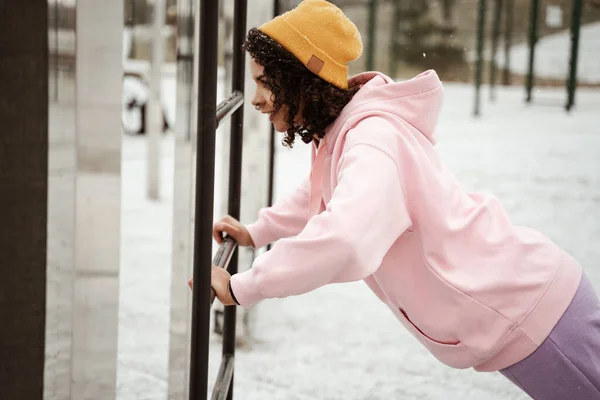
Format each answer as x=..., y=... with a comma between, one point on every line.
x=185, y=128
x=61, y=199
x=99, y=74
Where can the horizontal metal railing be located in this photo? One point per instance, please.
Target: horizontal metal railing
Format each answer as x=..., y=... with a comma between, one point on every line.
x=222, y=258
x=229, y=106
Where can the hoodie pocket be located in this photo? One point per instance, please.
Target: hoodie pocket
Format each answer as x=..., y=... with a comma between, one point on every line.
x=428, y=338
x=454, y=354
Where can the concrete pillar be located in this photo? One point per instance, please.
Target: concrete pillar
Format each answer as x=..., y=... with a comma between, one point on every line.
x=84, y=199
x=61, y=200
x=99, y=74
x=184, y=131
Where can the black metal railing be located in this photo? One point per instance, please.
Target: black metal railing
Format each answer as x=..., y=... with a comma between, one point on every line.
x=271, y=177
x=226, y=257
x=533, y=38
x=222, y=388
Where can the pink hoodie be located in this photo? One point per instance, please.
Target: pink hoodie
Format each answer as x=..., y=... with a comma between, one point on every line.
x=474, y=289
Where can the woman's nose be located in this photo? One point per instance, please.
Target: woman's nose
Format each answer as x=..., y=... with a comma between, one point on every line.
x=257, y=103
x=255, y=98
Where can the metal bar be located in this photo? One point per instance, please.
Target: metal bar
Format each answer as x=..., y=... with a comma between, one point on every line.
x=533, y=37
x=508, y=30
x=222, y=388
x=229, y=106
x=372, y=32
x=204, y=198
x=225, y=252
x=479, y=60
x=396, y=14
x=575, y=29
x=223, y=258
x=56, y=50
x=495, y=38
x=271, y=183
x=235, y=167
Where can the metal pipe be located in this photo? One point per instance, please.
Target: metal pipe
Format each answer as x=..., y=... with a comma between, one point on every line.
x=508, y=30
x=56, y=50
x=235, y=167
x=479, y=60
x=229, y=106
x=372, y=39
x=575, y=29
x=271, y=180
x=222, y=388
x=223, y=258
x=495, y=39
x=533, y=37
x=204, y=198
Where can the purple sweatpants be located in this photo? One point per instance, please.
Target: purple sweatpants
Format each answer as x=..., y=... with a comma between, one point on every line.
x=567, y=364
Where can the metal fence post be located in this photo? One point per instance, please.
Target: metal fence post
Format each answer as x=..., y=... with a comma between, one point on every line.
x=533, y=37
x=204, y=198
x=479, y=60
x=575, y=29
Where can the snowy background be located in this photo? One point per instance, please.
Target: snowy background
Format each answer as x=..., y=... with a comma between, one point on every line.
x=339, y=342
x=552, y=56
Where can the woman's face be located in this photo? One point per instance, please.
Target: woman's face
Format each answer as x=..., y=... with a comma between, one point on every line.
x=262, y=99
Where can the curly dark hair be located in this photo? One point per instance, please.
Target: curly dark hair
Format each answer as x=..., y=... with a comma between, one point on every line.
x=297, y=88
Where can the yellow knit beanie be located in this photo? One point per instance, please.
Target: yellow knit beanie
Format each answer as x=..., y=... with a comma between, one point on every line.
x=320, y=36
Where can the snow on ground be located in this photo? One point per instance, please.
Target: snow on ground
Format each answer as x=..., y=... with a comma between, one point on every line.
x=339, y=342
x=552, y=54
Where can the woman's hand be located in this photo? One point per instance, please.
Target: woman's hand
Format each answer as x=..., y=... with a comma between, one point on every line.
x=220, y=283
x=232, y=227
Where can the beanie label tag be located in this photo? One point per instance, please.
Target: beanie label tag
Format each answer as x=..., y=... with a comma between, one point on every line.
x=315, y=64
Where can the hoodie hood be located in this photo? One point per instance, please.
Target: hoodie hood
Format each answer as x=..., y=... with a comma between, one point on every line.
x=417, y=101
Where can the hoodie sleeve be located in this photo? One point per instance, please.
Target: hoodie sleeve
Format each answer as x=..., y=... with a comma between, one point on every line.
x=287, y=217
x=346, y=242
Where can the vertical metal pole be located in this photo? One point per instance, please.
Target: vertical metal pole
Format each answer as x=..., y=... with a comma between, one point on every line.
x=495, y=38
x=133, y=22
x=204, y=198
x=56, y=50
x=271, y=183
x=235, y=164
x=479, y=61
x=508, y=29
x=24, y=201
x=575, y=28
x=371, y=39
x=394, y=37
x=533, y=37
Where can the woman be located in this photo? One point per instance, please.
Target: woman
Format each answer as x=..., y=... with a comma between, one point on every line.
x=380, y=206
